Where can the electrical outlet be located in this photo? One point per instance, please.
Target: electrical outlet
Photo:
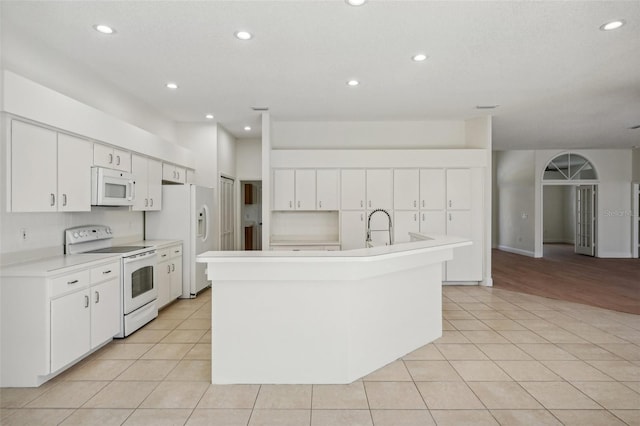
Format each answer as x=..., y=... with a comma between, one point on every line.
x=23, y=232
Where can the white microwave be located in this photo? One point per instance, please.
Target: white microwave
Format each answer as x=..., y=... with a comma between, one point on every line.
x=111, y=187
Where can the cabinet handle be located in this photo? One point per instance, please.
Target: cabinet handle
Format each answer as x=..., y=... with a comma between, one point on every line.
x=110, y=158
x=298, y=204
x=423, y=217
x=53, y=200
x=72, y=282
x=177, y=251
x=449, y=203
x=320, y=203
x=151, y=202
x=174, y=175
x=173, y=267
x=64, y=199
x=290, y=206
x=415, y=217
x=117, y=160
x=86, y=301
x=106, y=272
x=164, y=255
x=178, y=173
x=415, y=203
x=361, y=217
x=422, y=203
x=369, y=203
x=97, y=296
x=361, y=203
x=146, y=202
x=168, y=269
x=449, y=217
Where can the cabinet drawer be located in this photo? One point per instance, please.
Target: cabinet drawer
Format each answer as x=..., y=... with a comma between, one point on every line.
x=70, y=282
x=105, y=272
x=176, y=251
x=165, y=254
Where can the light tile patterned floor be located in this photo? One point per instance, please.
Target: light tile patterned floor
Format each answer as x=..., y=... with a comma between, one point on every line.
x=504, y=358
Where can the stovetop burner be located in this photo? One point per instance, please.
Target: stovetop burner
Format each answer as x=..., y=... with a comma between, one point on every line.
x=118, y=249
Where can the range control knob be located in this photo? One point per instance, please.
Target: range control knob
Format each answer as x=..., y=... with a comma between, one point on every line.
x=76, y=235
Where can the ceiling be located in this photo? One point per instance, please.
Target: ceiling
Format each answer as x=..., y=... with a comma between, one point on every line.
x=559, y=81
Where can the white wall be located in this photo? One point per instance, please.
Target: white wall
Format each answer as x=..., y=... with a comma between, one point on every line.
x=202, y=140
x=614, y=168
x=559, y=214
x=368, y=134
x=249, y=159
x=516, y=207
x=226, y=153
x=53, y=70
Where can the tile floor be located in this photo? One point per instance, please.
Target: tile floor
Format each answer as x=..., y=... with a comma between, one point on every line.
x=504, y=358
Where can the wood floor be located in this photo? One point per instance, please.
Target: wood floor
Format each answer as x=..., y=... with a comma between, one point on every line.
x=562, y=274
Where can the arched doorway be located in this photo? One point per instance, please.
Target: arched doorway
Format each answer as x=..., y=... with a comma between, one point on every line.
x=569, y=201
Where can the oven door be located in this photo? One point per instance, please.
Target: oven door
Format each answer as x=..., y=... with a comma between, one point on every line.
x=139, y=280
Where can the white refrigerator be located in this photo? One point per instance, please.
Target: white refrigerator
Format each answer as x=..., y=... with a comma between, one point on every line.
x=186, y=215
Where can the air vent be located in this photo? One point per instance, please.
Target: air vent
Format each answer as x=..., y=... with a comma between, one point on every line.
x=263, y=108
x=636, y=127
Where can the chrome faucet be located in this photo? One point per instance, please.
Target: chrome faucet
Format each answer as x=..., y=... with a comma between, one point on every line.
x=369, y=230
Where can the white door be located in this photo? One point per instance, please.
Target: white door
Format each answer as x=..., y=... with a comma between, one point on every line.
x=459, y=189
x=352, y=230
x=406, y=189
x=352, y=189
x=227, y=222
x=585, y=220
x=432, y=189
x=74, y=174
x=327, y=189
x=70, y=328
x=305, y=189
x=283, y=189
x=404, y=222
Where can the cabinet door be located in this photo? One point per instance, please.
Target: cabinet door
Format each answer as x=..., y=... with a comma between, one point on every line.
x=163, y=278
x=33, y=168
x=305, y=189
x=139, y=171
x=154, y=184
x=70, y=328
x=283, y=189
x=379, y=189
x=432, y=189
x=405, y=222
x=103, y=156
x=467, y=261
x=122, y=160
x=105, y=311
x=459, y=189
x=74, y=174
x=352, y=189
x=327, y=189
x=406, y=189
x=176, y=278
x=433, y=222
x=352, y=230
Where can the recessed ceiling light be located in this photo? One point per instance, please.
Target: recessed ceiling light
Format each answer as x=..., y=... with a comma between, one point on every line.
x=104, y=29
x=356, y=2
x=247, y=128
x=612, y=25
x=353, y=83
x=209, y=116
x=487, y=106
x=243, y=35
x=419, y=57
x=172, y=86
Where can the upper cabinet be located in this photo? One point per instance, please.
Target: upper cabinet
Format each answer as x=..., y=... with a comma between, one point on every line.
x=379, y=189
x=305, y=194
x=112, y=158
x=432, y=189
x=294, y=189
x=352, y=189
x=406, y=189
x=50, y=171
x=458, y=189
x=327, y=189
x=148, y=183
x=173, y=174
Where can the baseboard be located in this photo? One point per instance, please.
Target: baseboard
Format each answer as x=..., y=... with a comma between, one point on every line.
x=487, y=282
x=614, y=255
x=516, y=251
x=460, y=283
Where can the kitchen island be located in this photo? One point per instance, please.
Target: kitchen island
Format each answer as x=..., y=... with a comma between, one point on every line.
x=323, y=316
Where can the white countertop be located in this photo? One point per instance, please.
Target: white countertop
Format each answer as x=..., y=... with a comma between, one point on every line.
x=345, y=255
x=65, y=263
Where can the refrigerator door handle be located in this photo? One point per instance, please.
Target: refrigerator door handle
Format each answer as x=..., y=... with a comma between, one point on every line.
x=206, y=222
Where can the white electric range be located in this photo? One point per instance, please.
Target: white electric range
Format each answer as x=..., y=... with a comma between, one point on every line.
x=138, y=290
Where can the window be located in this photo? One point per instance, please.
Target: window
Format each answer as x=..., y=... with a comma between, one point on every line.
x=569, y=167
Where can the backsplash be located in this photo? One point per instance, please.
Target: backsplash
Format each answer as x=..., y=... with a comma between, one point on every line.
x=45, y=231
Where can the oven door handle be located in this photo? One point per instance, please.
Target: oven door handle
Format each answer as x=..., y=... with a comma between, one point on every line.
x=140, y=257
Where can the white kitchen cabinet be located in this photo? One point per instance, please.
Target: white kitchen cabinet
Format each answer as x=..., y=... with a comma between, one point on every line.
x=406, y=189
x=353, y=229
x=327, y=189
x=467, y=261
x=284, y=188
x=50, y=171
x=148, y=183
x=405, y=221
x=174, y=174
x=112, y=158
x=70, y=328
x=294, y=189
x=432, y=189
x=105, y=311
x=379, y=189
x=352, y=189
x=459, y=189
x=433, y=222
x=169, y=276
x=305, y=193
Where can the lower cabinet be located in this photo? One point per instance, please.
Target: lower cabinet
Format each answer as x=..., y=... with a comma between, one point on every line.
x=405, y=221
x=353, y=229
x=169, y=277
